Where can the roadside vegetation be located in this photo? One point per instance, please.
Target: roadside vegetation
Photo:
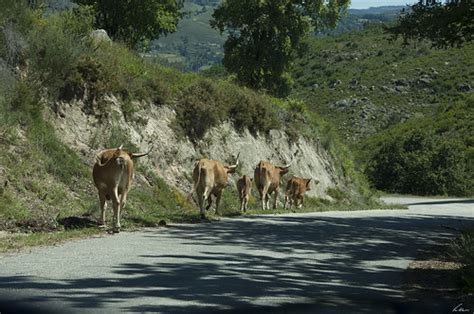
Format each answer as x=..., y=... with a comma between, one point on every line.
x=406, y=112
x=430, y=155
x=463, y=250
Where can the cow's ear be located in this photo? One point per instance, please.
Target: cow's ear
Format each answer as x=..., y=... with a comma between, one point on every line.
x=308, y=182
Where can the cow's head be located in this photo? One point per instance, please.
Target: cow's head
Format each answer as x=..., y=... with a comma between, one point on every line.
x=233, y=168
x=308, y=188
x=285, y=169
x=105, y=157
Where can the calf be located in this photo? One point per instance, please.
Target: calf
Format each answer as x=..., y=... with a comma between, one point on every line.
x=295, y=189
x=244, y=185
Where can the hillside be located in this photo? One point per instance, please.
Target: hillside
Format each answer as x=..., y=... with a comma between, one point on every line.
x=363, y=83
x=66, y=95
x=196, y=46
x=406, y=111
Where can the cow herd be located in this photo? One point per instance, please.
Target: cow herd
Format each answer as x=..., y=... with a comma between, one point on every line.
x=113, y=174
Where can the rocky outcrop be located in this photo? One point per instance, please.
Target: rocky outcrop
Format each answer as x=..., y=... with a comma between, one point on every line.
x=173, y=157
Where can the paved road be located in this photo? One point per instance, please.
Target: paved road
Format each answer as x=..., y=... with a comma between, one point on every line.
x=333, y=262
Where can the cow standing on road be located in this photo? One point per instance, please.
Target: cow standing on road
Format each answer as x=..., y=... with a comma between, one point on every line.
x=210, y=177
x=244, y=186
x=295, y=189
x=267, y=179
x=113, y=175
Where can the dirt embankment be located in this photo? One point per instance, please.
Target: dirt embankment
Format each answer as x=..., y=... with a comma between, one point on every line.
x=172, y=157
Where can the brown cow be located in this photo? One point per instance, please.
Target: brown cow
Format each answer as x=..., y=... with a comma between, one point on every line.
x=244, y=185
x=113, y=175
x=210, y=178
x=295, y=190
x=267, y=179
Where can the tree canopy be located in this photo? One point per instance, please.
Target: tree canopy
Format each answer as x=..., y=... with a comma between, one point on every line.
x=135, y=21
x=448, y=24
x=265, y=34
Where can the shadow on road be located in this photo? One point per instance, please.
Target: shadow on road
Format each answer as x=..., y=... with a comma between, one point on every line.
x=306, y=265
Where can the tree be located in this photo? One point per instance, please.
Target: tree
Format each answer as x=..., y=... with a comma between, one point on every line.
x=265, y=34
x=136, y=21
x=449, y=24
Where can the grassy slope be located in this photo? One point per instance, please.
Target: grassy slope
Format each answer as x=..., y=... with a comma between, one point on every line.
x=390, y=83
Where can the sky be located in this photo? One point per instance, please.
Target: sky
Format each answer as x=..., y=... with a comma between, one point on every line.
x=364, y=4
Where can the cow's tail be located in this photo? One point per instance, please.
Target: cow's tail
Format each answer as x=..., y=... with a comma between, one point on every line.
x=242, y=192
x=260, y=172
x=195, y=184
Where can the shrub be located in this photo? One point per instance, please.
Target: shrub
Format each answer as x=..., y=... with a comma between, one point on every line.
x=249, y=110
x=200, y=108
x=463, y=249
x=426, y=156
x=55, y=45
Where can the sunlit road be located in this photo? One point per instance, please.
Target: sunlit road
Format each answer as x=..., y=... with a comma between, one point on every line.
x=332, y=262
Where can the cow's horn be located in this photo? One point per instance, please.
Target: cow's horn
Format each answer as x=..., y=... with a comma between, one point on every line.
x=98, y=159
x=292, y=159
x=236, y=162
x=137, y=155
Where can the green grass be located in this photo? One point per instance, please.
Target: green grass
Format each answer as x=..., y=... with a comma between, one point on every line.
x=463, y=250
x=367, y=56
x=16, y=242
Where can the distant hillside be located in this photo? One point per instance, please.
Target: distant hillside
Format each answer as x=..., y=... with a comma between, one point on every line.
x=357, y=18
x=406, y=111
x=195, y=45
x=364, y=83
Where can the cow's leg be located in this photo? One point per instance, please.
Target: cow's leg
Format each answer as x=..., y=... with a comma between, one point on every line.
x=277, y=190
x=103, y=207
x=201, y=200
x=265, y=198
x=218, y=200
x=267, y=201
x=209, y=202
x=301, y=201
x=246, y=203
x=287, y=201
x=116, y=205
x=262, y=198
x=122, y=202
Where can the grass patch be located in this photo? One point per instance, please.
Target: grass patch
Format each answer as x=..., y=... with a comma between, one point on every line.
x=463, y=249
x=15, y=242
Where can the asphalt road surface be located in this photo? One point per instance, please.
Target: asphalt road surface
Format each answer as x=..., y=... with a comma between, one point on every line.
x=332, y=262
